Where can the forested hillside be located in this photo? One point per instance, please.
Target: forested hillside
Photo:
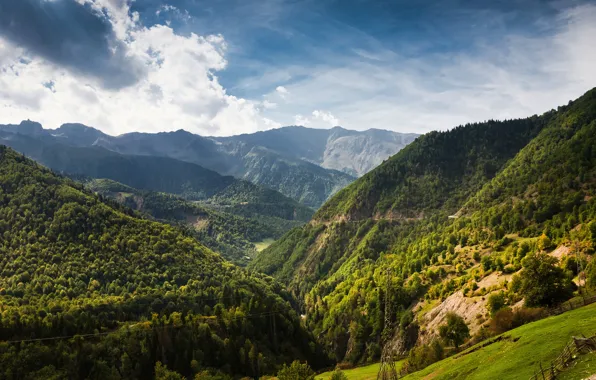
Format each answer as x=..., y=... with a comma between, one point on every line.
x=452, y=218
x=162, y=174
x=226, y=232
x=88, y=290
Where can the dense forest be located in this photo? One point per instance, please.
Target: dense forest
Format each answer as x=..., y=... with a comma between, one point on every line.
x=90, y=290
x=230, y=230
x=483, y=203
x=155, y=173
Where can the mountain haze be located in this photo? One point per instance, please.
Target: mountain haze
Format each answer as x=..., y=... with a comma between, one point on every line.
x=308, y=165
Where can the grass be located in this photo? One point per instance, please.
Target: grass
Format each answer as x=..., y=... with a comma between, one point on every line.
x=582, y=368
x=368, y=372
x=518, y=355
x=261, y=245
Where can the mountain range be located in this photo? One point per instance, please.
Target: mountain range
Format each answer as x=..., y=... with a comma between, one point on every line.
x=488, y=224
x=308, y=165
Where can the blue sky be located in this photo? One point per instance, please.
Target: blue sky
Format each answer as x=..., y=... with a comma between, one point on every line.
x=223, y=67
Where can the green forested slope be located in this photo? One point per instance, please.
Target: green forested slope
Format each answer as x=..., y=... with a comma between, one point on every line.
x=72, y=264
x=161, y=174
x=231, y=235
x=431, y=213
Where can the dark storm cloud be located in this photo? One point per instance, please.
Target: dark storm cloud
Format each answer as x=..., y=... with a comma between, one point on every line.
x=71, y=35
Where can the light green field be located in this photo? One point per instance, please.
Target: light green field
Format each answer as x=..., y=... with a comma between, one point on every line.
x=518, y=355
x=261, y=245
x=368, y=372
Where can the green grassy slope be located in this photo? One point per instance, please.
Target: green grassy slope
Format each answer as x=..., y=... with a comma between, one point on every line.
x=367, y=372
x=519, y=353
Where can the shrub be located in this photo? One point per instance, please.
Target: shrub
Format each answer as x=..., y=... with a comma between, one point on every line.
x=296, y=371
x=496, y=302
x=338, y=375
x=422, y=356
x=507, y=319
x=543, y=282
x=455, y=331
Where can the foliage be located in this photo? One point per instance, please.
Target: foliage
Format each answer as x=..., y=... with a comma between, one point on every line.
x=455, y=331
x=422, y=356
x=72, y=265
x=296, y=371
x=492, y=188
x=496, y=302
x=591, y=275
x=506, y=318
x=338, y=375
x=227, y=233
x=163, y=373
x=543, y=282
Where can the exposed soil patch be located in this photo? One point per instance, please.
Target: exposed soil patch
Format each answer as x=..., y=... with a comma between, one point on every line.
x=560, y=252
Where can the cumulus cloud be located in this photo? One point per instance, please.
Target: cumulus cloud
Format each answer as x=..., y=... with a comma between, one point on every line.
x=165, y=81
x=69, y=34
x=318, y=119
x=326, y=117
x=301, y=120
x=282, y=91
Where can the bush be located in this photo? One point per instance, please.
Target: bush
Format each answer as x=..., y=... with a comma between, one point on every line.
x=455, y=331
x=296, y=371
x=544, y=242
x=496, y=302
x=338, y=375
x=507, y=319
x=543, y=282
x=423, y=356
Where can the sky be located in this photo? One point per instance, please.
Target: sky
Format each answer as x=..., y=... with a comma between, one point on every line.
x=225, y=67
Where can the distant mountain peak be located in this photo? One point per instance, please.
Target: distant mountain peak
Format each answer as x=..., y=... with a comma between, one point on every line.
x=30, y=127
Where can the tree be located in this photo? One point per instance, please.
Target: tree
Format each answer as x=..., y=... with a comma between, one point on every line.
x=296, y=371
x=591, y=274
x=455, y=331
x=544, y=242
x=338, y=375
x=496, y=302
x=543, y=282
x=592, y=229
x=163, y=373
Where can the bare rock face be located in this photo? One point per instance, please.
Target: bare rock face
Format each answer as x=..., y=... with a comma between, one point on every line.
x=356, y=153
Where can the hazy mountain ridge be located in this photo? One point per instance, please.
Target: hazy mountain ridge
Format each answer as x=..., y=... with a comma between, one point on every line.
x=352, y=152
x=160, y=174
x=309, y=165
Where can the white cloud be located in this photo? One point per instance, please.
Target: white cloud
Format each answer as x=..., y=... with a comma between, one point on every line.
x=326, y=117
x=319, y=119
x=516, y=77
x=269, y=105
x=301, y=120
x=282, y=91
x=180, y=88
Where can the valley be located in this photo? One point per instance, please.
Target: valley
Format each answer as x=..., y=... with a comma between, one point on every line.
x=297, y=190
x=488, y=225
